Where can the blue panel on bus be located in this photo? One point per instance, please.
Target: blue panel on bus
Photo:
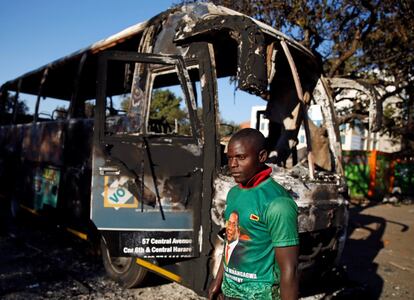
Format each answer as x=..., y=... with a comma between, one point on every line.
x=115, y=208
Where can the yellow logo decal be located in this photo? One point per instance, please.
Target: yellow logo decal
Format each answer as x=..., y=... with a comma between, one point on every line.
x=116, y=195
x=253, y=217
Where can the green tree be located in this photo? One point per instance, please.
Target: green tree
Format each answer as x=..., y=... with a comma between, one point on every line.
x=165, y=112
x=227, y=128
x=125, y=103
x=165, y=105
x=22, y=108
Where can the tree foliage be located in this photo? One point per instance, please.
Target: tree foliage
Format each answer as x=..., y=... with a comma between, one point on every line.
x=368, y=40
x=165, y=112
x=22, y=108
x=166, y=105
x=227, y=128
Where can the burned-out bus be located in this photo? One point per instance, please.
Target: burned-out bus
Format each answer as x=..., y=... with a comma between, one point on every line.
x=108, y=164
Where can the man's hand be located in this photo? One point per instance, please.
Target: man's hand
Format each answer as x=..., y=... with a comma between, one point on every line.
x=287, y=258
x=214, y=291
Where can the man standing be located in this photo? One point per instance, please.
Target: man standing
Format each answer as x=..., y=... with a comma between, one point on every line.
x=267, y=247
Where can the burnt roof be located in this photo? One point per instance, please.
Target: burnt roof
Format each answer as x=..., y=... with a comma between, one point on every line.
x=62, y=72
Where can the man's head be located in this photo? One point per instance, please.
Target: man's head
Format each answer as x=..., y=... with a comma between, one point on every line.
x=246, y=154
x=232, y=227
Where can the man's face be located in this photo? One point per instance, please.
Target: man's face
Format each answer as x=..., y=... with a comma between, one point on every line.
x=232, y=228
x=244, y=160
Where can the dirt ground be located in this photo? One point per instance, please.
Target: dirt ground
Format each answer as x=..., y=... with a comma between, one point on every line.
x=38, y=261
x=379, y=256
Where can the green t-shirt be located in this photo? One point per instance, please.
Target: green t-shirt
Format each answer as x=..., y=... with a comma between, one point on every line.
x=258, y=219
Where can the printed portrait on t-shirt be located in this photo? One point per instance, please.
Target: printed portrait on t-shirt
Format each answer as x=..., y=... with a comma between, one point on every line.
x=235, y=237
x=232, y=235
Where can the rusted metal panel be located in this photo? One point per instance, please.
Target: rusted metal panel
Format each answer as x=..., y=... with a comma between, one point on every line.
x=251, y=66
x=299, y=93
x=323, y=97
x=48, y=163
x=375, y=105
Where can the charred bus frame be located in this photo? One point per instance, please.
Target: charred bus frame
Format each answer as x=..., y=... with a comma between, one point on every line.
x=156, y=194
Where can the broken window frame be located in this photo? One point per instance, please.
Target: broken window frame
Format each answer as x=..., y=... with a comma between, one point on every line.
x=159, y=71
x=159, y=59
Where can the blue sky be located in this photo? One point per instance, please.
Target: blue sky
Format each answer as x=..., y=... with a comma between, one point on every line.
x=34, y=33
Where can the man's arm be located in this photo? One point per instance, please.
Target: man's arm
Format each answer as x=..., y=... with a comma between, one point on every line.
x=214, y=289
x=287, y=258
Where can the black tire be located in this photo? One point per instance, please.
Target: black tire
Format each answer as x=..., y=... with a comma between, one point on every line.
x=123, y=270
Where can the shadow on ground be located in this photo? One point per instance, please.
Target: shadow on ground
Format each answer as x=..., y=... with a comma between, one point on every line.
x=357, y=277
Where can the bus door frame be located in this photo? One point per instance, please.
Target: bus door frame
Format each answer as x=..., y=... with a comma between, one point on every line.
x=144, y=145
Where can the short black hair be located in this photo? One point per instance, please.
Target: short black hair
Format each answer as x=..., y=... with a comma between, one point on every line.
x=253, y=136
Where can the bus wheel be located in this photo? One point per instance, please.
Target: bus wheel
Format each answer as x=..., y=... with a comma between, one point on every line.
x=123, y=270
